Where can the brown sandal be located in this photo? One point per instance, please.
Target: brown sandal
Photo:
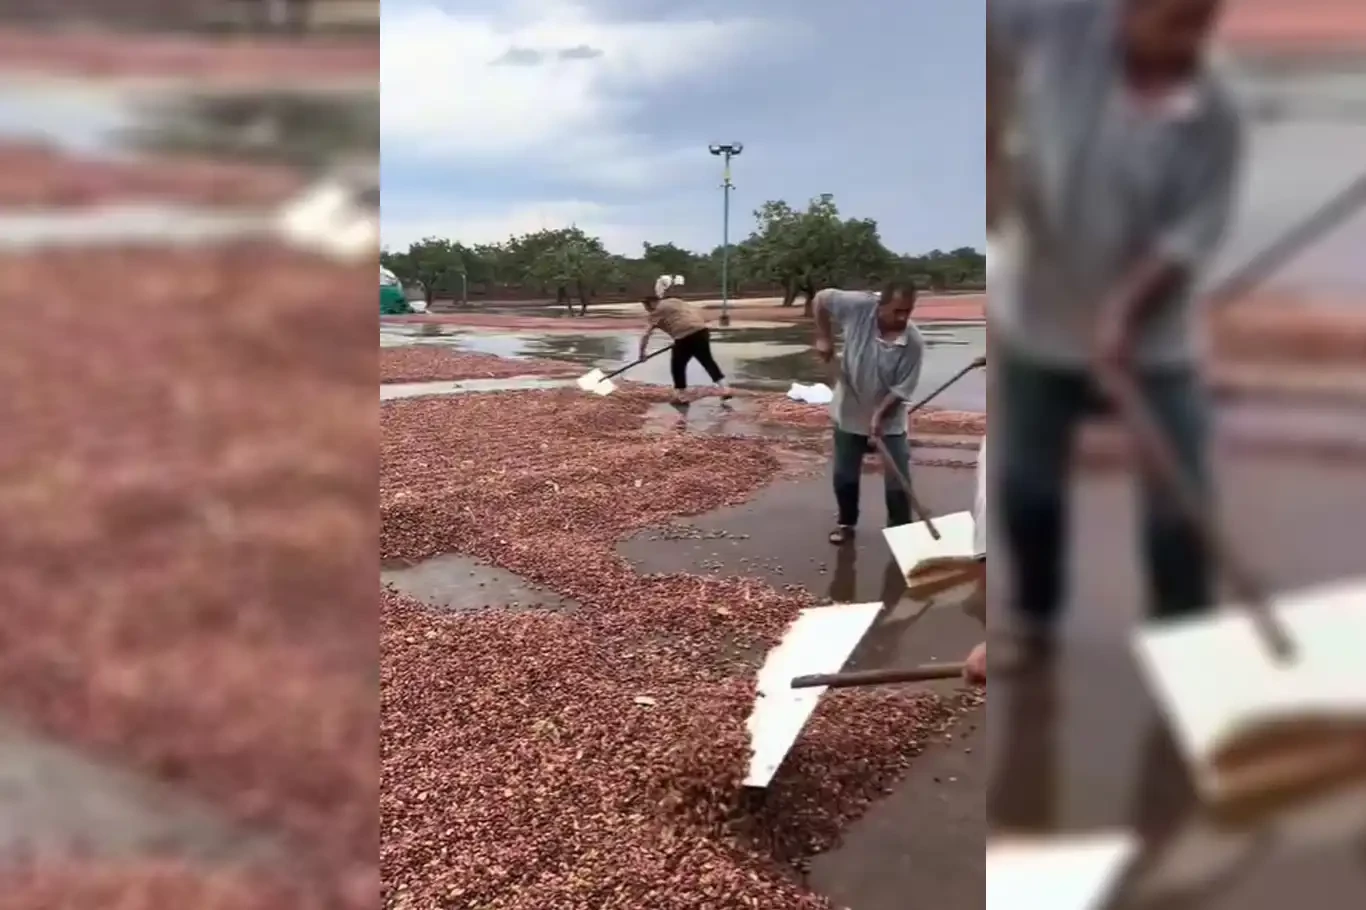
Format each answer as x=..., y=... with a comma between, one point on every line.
x=841, y=535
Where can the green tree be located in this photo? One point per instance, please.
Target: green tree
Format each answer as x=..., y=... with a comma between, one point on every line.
x=805, y=250
x=399, y=264
x=570, y=259
x=669, y=259
x=797, y=250
x=520, y=255
x=433, y=263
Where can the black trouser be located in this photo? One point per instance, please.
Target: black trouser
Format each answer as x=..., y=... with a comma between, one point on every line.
x=1038, y=410
x=849, y=451
x=697, y=345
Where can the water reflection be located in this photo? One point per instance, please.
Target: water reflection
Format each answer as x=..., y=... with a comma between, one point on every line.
x=303, y=129
x=588, y=349
x=1023, y=729
x=307, y=130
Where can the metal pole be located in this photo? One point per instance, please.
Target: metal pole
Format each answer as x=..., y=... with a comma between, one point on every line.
x=725, y=243
x=464, y=289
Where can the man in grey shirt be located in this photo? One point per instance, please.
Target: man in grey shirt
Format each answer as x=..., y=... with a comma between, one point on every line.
x=1122, y=189
x=883, y=352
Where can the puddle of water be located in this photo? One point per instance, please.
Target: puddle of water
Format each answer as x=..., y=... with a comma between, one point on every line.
x=394, y=390
x=770, y=359
x=711, y=416
x=455, y=582
x=111, y=121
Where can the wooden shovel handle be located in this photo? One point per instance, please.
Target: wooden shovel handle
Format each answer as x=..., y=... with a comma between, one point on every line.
x=850, y=680
x=635, y=363
x=1157, y=459
x=890, y=465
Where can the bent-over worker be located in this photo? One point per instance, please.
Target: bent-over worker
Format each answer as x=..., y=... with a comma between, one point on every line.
x=883, y=353
x=682, y=322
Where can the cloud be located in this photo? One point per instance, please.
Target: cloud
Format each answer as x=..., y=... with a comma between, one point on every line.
x=580, y=52
x=528, y=56
x=519, y=56
x=607, y=127
x=443, y=102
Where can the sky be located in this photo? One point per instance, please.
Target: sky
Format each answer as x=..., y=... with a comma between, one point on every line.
x=512, y=116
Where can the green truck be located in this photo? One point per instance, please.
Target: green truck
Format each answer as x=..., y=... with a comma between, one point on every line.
x=392, y=299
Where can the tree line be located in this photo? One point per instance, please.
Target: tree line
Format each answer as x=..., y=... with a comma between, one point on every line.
x=790, y=252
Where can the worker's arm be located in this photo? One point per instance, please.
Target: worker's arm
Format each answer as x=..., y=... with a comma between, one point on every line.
x=1204, y=191
x=906, y=383
x=831, y=307
x=652, y=323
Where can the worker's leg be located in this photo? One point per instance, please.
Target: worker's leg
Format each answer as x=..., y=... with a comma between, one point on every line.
x=1035, y=409
x=683, y=352
x=898, y=503
x=1179, y=575
x=848, y=467
x=708, y=362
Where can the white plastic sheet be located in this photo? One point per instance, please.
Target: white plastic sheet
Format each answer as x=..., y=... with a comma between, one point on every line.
x=819, y=393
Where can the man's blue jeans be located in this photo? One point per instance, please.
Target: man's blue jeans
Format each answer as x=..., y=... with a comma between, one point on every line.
x=850, y=448
x=1035, y=412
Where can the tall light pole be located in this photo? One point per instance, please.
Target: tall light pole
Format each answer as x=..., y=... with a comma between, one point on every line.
x=726, y=152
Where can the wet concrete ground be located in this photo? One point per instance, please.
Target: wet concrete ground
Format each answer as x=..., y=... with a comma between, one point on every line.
x=922, y=844
x=1079, y=746
x=758, y=358
x=53, y=799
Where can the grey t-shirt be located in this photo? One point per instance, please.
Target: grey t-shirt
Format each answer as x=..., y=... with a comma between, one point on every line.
x=1104, y=182
x=873, y=367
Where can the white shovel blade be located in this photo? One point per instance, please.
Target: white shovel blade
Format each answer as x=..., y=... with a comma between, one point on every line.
x=606, y=387
x=819, y=641
x=1213, y=676
x=1064, y=873
x=915, y=550
x=590, y=380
